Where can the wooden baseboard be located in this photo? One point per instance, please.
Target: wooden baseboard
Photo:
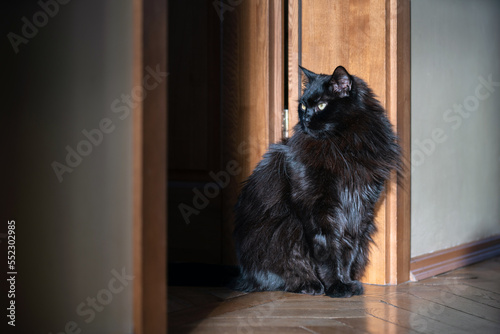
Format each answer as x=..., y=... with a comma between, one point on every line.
x=436, y=263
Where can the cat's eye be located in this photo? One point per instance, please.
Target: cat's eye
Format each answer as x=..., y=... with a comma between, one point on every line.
x=303, y=106
x=321, y=106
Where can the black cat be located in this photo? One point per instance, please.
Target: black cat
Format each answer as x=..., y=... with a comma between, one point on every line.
x=304, y=218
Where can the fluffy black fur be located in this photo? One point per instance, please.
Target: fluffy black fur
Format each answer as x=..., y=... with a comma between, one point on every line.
x=305, y=217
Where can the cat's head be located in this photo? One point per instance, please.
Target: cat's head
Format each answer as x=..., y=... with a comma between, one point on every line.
x=324, y=99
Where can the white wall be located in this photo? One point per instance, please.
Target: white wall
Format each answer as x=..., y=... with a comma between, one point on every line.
x=72, y=235
x=455, y=154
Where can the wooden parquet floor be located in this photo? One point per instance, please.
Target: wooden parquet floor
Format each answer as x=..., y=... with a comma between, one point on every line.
x=466, y=300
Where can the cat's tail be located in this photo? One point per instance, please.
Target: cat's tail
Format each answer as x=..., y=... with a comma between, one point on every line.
x=243, y=283
x=258, y=281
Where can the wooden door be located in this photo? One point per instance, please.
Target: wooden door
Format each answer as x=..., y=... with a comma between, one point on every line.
x=253, y=94
x=371, y=39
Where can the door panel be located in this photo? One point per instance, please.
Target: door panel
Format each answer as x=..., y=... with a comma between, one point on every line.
x=371, y=40
x=253, y=94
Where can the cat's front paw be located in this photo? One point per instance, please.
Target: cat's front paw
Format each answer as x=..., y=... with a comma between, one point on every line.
x=345, y=290
x=311, y=288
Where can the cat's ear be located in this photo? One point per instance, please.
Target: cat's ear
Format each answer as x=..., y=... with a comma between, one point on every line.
x=341, y=82
x=309, y=75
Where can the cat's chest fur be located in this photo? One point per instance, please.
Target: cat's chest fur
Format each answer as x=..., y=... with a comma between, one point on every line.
x=329, y=172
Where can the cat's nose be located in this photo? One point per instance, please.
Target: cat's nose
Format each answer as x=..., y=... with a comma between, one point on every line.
x=307, y=116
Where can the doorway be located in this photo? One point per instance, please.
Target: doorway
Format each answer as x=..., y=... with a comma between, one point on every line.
x=194, y=133
x=232, y=66
x=225, y=103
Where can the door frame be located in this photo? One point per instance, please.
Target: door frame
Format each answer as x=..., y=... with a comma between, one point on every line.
x=149, y=147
